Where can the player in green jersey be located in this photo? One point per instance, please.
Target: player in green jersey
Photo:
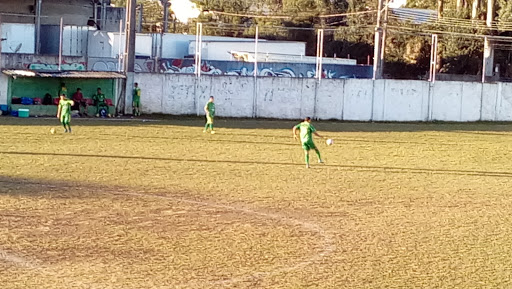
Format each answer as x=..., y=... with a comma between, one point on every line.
x=209, y=109
x=99, y=101
x=306, y=138
x=136, y=99
x=63, y=90
x=64, y=112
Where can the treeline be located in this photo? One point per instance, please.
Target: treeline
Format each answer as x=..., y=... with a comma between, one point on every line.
x=352, y=35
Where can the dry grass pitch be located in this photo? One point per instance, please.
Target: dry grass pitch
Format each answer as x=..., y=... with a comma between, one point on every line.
x=159, y=204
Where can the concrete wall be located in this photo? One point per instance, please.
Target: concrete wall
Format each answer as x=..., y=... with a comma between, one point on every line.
x=347, y=99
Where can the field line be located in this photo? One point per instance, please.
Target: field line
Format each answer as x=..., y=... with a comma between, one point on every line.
x=17, y=260
x=327, y=248
x=327, y=245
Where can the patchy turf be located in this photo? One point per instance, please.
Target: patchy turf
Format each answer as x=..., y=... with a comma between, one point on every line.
x=159, y=204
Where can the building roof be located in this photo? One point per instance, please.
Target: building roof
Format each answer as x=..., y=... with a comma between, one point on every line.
x=63, y=74
x=416, y=16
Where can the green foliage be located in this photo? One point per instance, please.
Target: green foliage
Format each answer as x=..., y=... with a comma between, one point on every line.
x=351, y=35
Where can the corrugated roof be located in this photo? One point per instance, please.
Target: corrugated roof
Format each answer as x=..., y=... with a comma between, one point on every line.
x=63, y=74
x=416, y=16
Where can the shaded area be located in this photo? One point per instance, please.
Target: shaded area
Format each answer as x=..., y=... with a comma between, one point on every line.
x=383, y=169
x=244, y=123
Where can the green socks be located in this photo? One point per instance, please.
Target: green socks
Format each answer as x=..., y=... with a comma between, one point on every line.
x=318, y=154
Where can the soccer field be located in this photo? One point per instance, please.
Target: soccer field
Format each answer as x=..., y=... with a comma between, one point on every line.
x=158, y=204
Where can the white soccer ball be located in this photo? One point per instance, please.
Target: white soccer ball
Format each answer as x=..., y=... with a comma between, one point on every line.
x=52, y=130
x=329, y=142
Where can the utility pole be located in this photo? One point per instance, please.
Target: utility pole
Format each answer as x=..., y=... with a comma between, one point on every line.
x=130, y=36
x=488, y=64
x=129, y=68
x=377, y=72
x=38, y=26
x=166, y=16
x=383, y=41
x=1, y=39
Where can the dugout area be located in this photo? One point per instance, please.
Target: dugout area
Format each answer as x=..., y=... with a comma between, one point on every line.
x=35, y=85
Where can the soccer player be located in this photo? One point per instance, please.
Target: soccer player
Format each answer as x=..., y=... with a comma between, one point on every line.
x=136, y=100
x=209, y=109
x=99, y=99
x=306, y=138
x=64, y=112
x=63, y=90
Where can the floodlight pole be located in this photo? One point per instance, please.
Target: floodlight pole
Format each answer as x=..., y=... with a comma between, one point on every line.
x=166, y=16
x=256, y=39
x=378, y=44
x=383, y=41
x=319, y=54
x=433, y=59
x=129, y=55
x=119, y=51
x=130, y=36
x=199, y=46
x=61, y=32
x=487, y=55
x=255, y=90
x=38, y=26
x=1, y=39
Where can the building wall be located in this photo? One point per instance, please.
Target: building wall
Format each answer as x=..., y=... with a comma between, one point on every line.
x=74, y=12
x=108, y=44
x=347, y=99
x=220, y=50
x=24, y=7
x=19, y=38
x=177, y=45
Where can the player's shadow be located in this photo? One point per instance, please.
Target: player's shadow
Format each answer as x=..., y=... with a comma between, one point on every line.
x=247, y=141
x=55, y=188
x=382, y=169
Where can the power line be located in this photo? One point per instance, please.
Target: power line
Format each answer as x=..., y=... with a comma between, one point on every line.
x=288, y=16
x=461, y=34
x=432, y=19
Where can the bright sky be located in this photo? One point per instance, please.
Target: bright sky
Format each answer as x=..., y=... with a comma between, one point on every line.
x=184, y=10
x=397, y=3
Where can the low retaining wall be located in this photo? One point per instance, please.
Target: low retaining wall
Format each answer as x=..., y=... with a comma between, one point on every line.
x=347, y=99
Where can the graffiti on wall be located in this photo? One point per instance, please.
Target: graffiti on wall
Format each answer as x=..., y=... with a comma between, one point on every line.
x=112, y=64
x=187, y=66
x=264, y=69
x=43, y=62
x=77, y=66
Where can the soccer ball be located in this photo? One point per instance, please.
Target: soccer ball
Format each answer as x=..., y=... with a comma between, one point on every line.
x=52, y=130
x=329, y=142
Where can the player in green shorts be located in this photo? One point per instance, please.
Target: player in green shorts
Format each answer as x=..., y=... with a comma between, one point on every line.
x=99, y=101
x=136, y=99
x=209, y=109
x=64, y=112
x=306, y=138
